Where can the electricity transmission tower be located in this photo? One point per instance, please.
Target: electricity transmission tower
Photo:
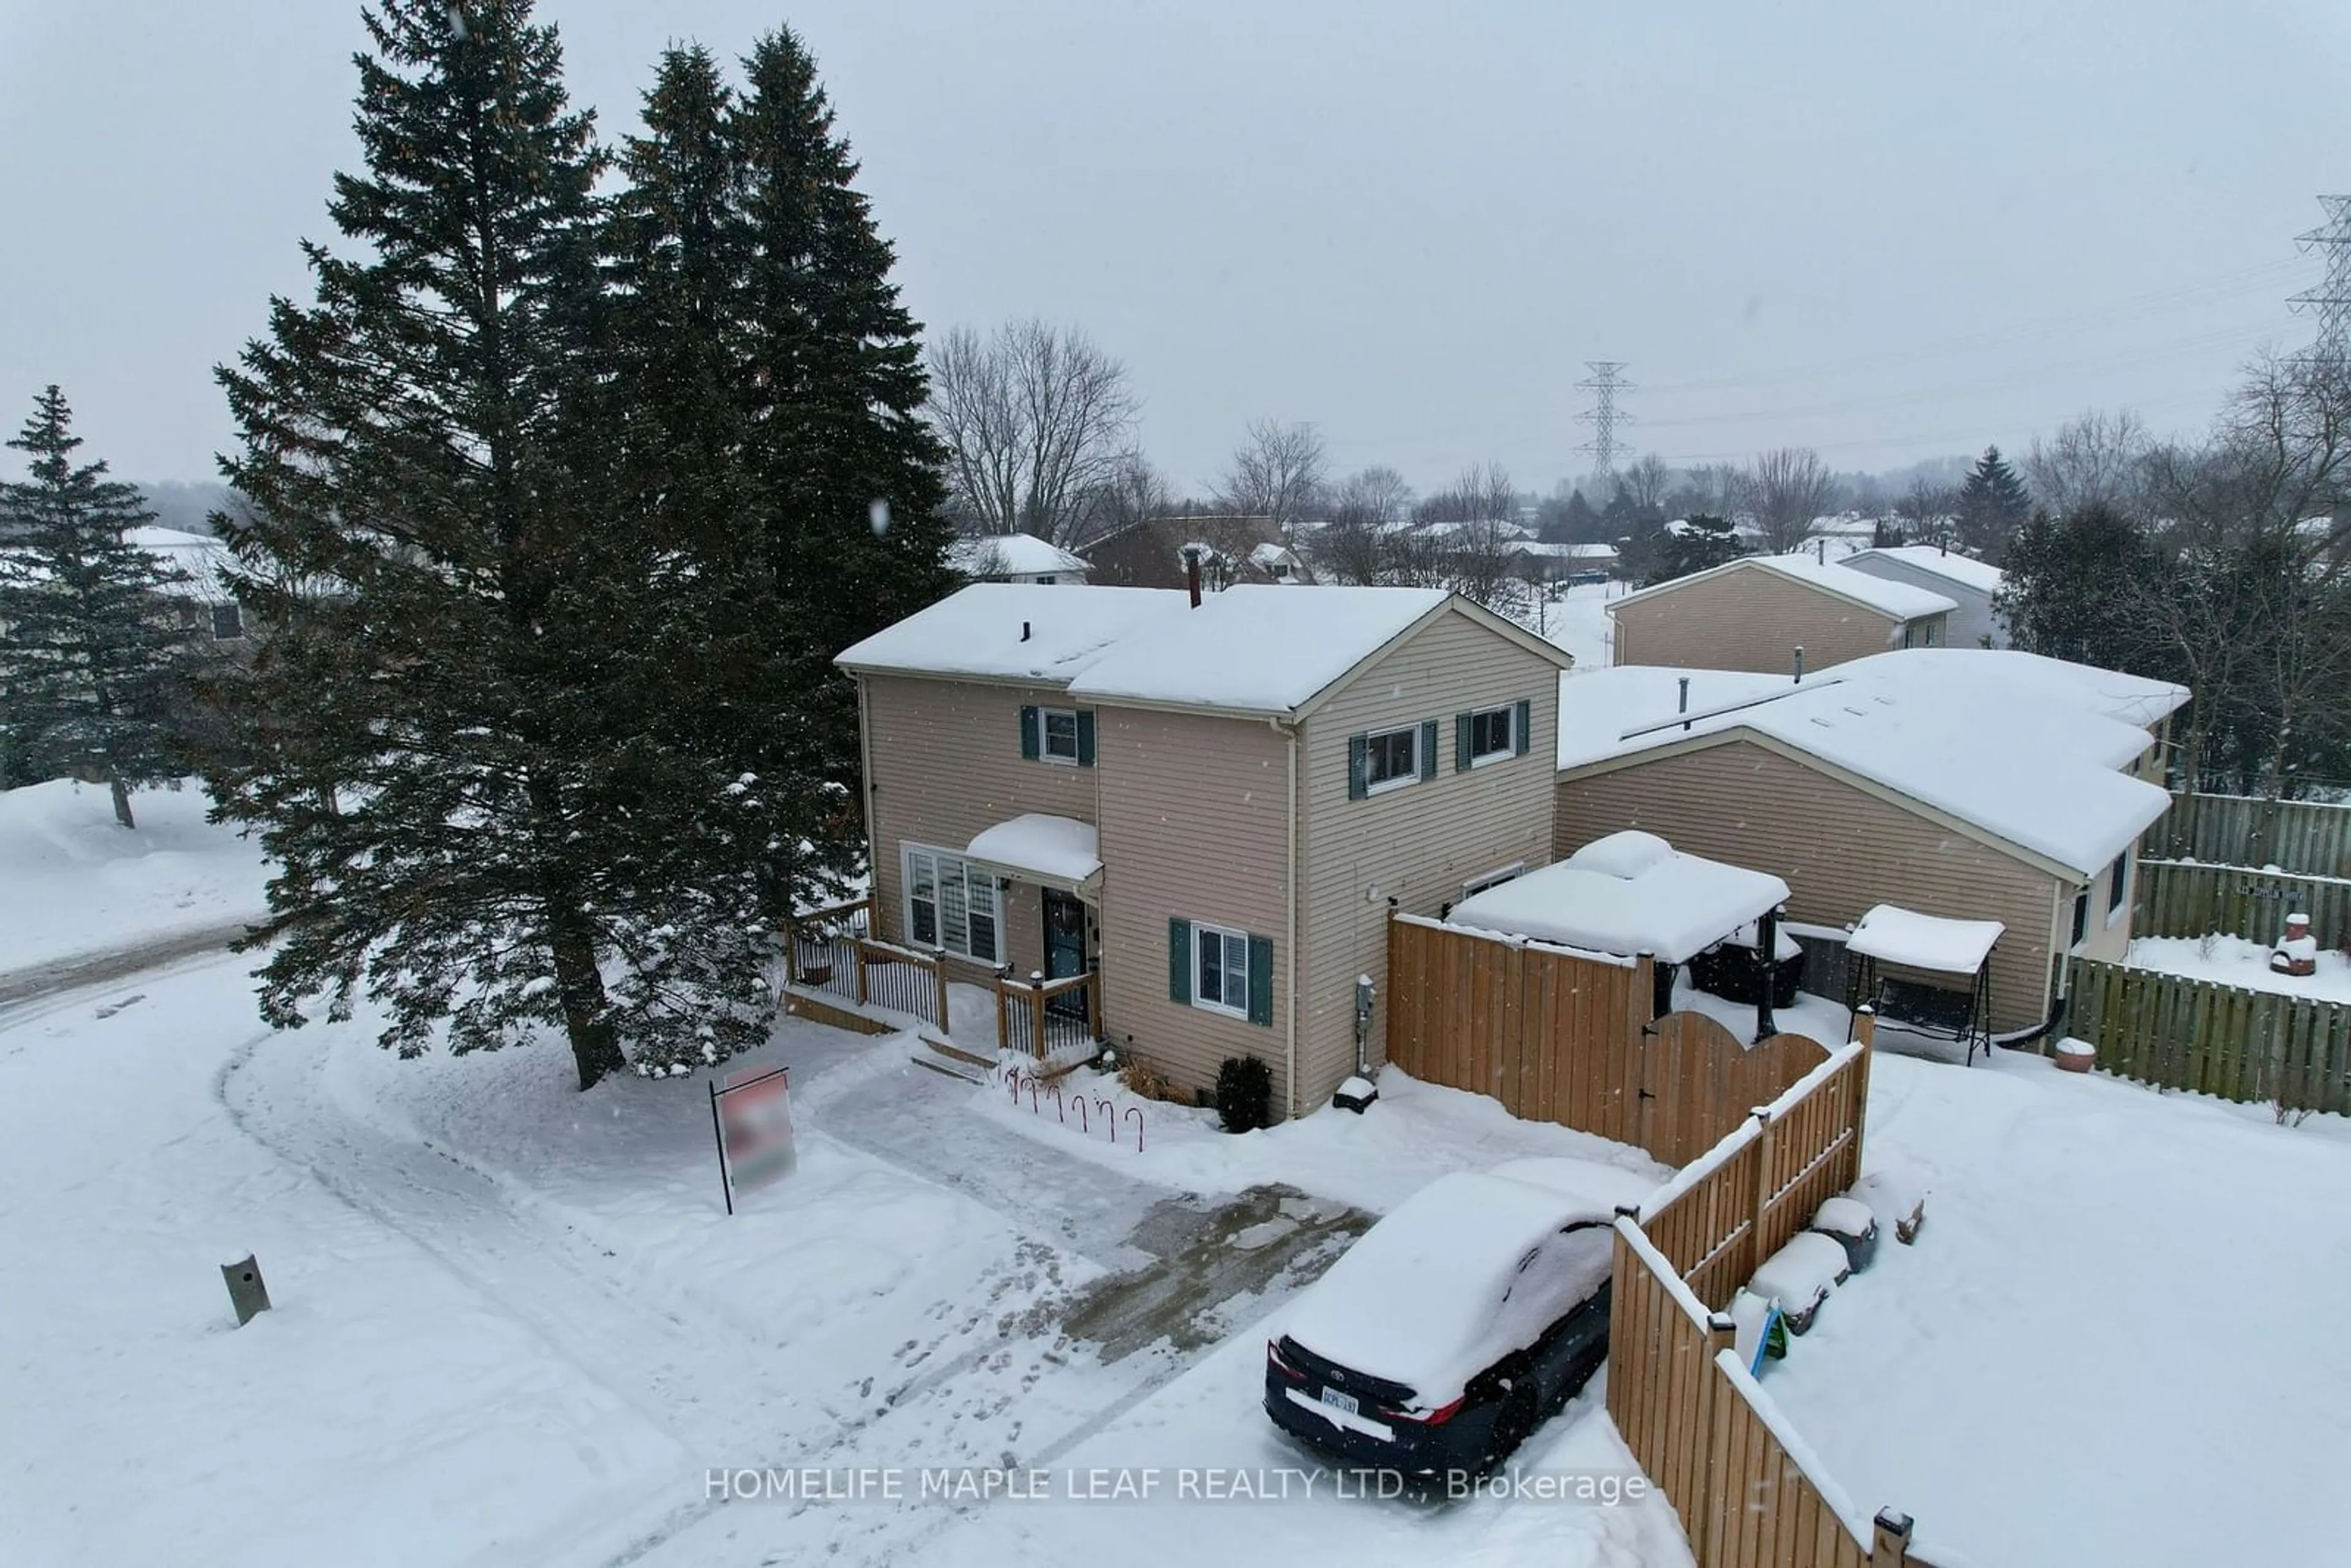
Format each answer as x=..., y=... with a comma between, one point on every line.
x=2330, y=302
x=1603, y=383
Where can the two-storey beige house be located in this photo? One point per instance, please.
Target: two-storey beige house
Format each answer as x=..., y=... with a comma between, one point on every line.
x=1756, y=612
x=1213, y=804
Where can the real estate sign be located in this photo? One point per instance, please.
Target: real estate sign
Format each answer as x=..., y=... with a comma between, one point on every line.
x=751, y=1116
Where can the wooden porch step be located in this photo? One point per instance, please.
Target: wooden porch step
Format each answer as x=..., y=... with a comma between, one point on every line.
x=943, y=1056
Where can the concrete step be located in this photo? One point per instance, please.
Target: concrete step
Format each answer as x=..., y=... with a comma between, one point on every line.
x=943, y=1056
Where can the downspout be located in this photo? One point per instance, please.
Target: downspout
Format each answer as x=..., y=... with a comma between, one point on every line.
x=1290, y=943
x=865, y=788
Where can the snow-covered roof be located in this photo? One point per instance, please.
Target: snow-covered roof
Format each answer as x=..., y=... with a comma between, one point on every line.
x=1258, y=647
x=1629, y=892
x=1899, y=599
x=1059, y=852
x=1270, y=554
x=1898, y=936
x=2132, y=699
x=1433, y=1291
x=202, y=561
x=1013, y=630
x=1011, y=555
x=2027, y=753
x=1964, y=570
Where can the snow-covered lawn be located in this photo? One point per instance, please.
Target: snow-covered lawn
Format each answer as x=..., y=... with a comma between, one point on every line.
x=2114, y=1340
x=513, y=1323
x=2234, y=961
x=73, y=882
x=1578, y=621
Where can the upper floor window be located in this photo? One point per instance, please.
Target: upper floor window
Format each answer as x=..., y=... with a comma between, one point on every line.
x=1491, y=734
x=1061, y=735
x=2117, y=882
x=1391, y=758
x=228, y=622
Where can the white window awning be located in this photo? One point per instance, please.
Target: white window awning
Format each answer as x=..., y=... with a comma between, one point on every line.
x=1052, y=852
x=1895, y=935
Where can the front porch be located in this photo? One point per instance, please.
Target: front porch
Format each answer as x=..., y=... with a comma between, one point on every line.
x=834, y=952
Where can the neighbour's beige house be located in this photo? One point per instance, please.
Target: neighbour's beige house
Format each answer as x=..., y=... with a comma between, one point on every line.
x=1214, y=806
x=1971, y=784
x=1758, y=612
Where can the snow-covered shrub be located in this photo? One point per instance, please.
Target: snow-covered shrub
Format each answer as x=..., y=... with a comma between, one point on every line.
x=1245, y=1093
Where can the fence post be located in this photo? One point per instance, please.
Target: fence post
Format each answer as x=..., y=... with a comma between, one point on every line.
x=939, y=983
x=858, y=948
x=1036, y=1012
x=1889, y=1544
x=1722, y=1334
x=1764, y=1146
x=1865, y=1030
x=791, y=953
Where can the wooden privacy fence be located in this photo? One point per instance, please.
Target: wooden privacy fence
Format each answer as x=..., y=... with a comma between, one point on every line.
x=2188, y=898
x=2312, y=838
x=1747, y=1492
x=2180, y=1033
x=1562, y=1036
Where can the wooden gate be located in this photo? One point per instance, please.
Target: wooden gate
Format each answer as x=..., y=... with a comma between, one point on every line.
x=1698, y=1082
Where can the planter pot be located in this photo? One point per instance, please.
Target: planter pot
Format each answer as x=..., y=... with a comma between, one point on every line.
x=2074, y=1057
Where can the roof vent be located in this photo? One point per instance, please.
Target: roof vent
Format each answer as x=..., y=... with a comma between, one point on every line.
x=1024, y=631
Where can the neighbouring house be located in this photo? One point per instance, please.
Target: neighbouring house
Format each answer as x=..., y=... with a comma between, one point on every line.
x=1965, y=783
x=1968, y=582
x=202, y=600
x=1214, y=802
x=1015, y=558
x=1755, y=613
x=1232, y=549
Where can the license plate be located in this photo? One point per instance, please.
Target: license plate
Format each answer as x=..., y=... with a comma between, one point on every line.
x=1338, y=1401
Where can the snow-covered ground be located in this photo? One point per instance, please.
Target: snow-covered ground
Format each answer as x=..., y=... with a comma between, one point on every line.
x=2234, y=961
x=73, y=882
x=1578, y=621
x=513, y=1323
x=2113, y=1341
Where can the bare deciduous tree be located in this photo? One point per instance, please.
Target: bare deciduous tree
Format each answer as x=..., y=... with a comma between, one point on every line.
x=1135, y=491
x=1036, y=421
x=1784, y=490
x=1482, y=493
x=1376, y=497
x=2096, y=459
x=1276, y=473
x=1926, y=509
x=1645, y=481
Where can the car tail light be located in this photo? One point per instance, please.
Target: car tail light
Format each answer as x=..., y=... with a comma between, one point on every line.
x=1273, y=1359
x=1436, y=1418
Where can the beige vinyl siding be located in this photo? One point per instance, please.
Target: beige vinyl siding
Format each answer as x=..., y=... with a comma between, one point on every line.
x=1972, y=626
x=1195, y=826
x=1419, y=843
x=1751, y=619
x=1839, y=848
x=945, y=762
x=2105, y=939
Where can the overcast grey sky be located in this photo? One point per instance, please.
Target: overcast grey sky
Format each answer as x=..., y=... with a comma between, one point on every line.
x=1887, y=230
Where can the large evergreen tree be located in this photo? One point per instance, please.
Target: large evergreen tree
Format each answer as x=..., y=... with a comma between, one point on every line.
x=1993, y=504
x=460, y=734
x=843, y=463
x=90, y=645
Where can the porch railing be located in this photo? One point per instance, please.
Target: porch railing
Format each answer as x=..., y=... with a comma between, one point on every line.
x=1042, y=1018
x=904, y=979
x=821, y=947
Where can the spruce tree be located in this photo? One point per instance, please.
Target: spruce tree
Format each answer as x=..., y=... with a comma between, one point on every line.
x=846, y=468
x=1993, y=505
x=458, y=609
x=90, y=645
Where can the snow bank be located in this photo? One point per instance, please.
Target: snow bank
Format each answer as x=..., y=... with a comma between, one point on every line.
x=71, y=881
x=2234, y=961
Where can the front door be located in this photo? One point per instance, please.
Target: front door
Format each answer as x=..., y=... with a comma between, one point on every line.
x=1065, y=947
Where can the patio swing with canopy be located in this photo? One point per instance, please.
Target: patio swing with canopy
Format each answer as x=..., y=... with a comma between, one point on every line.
x=1908, y=940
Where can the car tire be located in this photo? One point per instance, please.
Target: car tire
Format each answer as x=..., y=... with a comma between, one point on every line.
x=1520, y=1416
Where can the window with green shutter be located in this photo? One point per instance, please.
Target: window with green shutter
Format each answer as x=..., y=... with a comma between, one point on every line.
x=1085, y=738
x=1464, y=724
x=1032, y=744
x=1359, y=778
x=1522, y=727
x=1427, y=748
x=1180, y=960
x=1221, y=970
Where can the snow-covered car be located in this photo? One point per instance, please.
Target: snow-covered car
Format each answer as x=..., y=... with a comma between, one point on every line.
x=1444, y=1335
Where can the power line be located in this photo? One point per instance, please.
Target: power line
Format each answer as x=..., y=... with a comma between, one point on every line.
x=1603, y=383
